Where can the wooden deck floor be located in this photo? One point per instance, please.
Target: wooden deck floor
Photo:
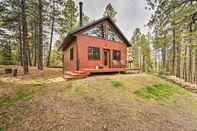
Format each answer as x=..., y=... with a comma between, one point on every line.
x=105, y=70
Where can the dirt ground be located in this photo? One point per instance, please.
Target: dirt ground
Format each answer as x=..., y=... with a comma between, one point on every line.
x=48, y=75
x=96, y=103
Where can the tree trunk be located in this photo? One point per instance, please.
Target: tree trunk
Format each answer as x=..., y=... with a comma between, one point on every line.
x=143, y=62
x=51, y=40
x=190, y=56
x=40, y=40
x=178, y=68
x=168, y=61
x=156, y=61
x=174, y=51
x=24, y=28
x=141, y=59
x=35, y=43
x=29, y=57
x=164, y=58
x=20, y=41
x=190, y=65
x=190, y=74
x=196, y=67
x=35, y=53
x=185, y=65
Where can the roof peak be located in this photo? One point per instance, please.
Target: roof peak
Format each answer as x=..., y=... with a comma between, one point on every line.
x=72, y=33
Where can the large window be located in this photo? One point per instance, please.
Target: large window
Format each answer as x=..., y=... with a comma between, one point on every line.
x=116, y=55
x=71, y=54
x=112, y=34
x=104, y=31
x=97, y=31
x=93, y=53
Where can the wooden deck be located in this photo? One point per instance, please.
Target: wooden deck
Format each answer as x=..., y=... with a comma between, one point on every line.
x=105, y=70
x=83, y=73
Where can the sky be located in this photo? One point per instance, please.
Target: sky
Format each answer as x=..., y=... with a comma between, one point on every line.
x=131, y=13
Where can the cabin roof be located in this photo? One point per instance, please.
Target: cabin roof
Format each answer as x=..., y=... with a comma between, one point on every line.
x=71, y=35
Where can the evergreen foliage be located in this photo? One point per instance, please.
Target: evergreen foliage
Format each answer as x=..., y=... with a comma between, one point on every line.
x=110, y=11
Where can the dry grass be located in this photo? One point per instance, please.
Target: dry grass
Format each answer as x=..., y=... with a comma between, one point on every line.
x=48, y=75
x=97, y=103
x=33, y=73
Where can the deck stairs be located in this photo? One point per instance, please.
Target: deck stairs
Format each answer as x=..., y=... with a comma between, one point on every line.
x=76, y=74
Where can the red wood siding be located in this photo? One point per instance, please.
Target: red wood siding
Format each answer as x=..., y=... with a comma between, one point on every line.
x=87, y=41
x=70, y=64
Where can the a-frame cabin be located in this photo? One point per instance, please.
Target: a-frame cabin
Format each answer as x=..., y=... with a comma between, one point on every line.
x=97, y=47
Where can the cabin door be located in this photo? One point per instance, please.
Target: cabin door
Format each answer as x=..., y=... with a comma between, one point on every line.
x=106, y=57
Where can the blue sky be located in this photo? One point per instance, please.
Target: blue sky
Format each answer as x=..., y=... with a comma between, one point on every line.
x=131, y=13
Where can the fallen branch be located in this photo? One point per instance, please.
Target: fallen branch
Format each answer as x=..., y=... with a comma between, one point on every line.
x=181, y=82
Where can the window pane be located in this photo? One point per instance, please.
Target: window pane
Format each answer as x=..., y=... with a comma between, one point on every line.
x=116, y=55
x=71, y=54
x=112, y=35
x=93, y=53
x=96, y=31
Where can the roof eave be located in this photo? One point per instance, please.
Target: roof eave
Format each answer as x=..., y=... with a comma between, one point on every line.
x=69, y=38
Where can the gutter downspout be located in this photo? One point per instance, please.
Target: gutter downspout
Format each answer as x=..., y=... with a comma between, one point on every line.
x=81, y=24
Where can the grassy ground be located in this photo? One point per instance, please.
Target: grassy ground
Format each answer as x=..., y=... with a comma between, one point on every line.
x=110, y=102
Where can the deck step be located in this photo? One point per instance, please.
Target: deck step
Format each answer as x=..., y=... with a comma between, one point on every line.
x=82, y=72
x=69, y=77
x=76, y=75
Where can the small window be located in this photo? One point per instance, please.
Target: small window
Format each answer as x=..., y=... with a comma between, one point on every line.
x=71, y=54
x=93, y=53
x=116, y=55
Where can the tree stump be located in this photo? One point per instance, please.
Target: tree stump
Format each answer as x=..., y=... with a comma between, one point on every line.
x=15, y=72
x=8, y=70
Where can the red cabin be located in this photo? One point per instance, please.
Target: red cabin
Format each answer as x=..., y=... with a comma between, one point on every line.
x=97, y=47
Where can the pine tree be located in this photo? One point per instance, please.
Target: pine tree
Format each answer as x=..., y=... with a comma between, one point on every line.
x=110, y=11
x=178, y=19
x=10, y=11
x=68, y=21
x=54, y=17
x=141, y=50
